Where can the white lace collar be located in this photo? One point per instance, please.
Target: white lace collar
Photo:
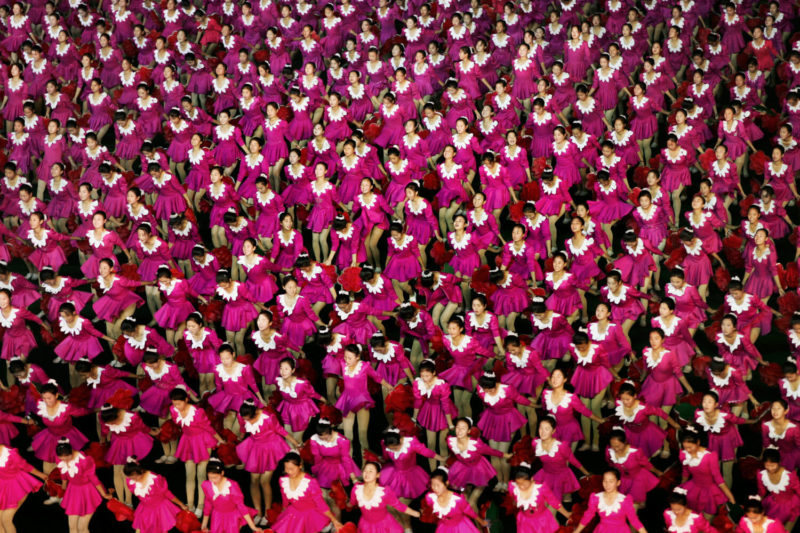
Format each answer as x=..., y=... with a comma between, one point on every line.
x=223, y=489
x=619, y=410
x=425, y=391
x=773, y=434
x=780, y=486
x=614, y=507
x=493, y=399
x=186, y=420
x=531, y=502
x=327, y=443
x=553, y=407
x=716, y=427
x=541, y=452
x=738, y=308
x=355, y=371
x=70, y=468
x=375, y=288
x=297, y=493
x=42, y=410
x=255, y=427
x=54, y=290
x=4, y=454
x=66, y=329
x=405, y=445
x=154, y=374
x=291, y=389
x=403, y=244
x=373, y=502
x=472, y=446
x=689, y=460
x=124, y=424
x=229, y=296
x=442, y=511
x=233, y=375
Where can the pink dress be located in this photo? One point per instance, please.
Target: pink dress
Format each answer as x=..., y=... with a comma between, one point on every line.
x=467, y=362
x=304, y=509
x=375, y=517
x=782, y=499
x=128, y=438
x=661, y=386
x=197, y=435
x=297, y=406
x=532, y=512
x=355, y=393
x=433, y=403
x=695, y=523
x=640, y=431
x=17, y=337
x=555, y=472
x=568, y=430
x=788, y=442
x=81, y=497
x=456, y=517
x=233, y=387
x=592, y=372
x=501, y=419
x=16, y=480
x=703, y=492
x=56, y=427
x=80, y=340
x=226, y=506
x=298, y=321
x=155, y=400
x=637, y=480
x=332, y=460
x=614, y=517
x=239, y=309
x=401, y=474
x=155, y=511
x=265, y=446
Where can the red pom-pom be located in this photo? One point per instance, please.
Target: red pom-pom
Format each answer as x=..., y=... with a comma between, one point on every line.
x=121, y=399
x=431, y=181
x=523, y=451
x=538, y=167
x=788, y=303
x=426, y=512
x=400, y=399
x=130, y=271
x=669, y=480
x=339, y=495
x=223, y=256
x=53, y=484
x=770, y=374
x=120, y=511
x=304, y=369
x=480, y=281
x=348, y=527
x=590, y=485
x=745, y=204
x=640, y=178
x=370, y=457
x=699, y=365
x=403, y=422
x=707, y=158
x=441, y=254
x=350, y=279
x=305, y=453
x=757, y=162
x=515, y=211
x=12, y=400
x=79, y=396
x=97, y=452
x=722, y=277
x=227, y=454
x=331, y=413
x=274, y=512
x=186, y=522
x=168, y=431
x=212, y=311
x=531, y=191
x=676, y=257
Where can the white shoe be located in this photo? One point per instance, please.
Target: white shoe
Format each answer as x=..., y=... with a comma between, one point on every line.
x=263, y=522
x=117, y=364
x=171, y=460
x=58, y=360
x=52, y=500
x=161, y=460
x=198, y=512
x=664, y=454
x=584, y=447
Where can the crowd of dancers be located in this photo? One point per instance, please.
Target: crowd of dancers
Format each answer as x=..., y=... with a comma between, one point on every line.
x=400, y=265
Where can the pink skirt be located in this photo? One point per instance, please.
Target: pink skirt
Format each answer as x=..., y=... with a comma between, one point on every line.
x=564, y=482
x=122, y=447
x=155, y=515
x=477, y=475
x=80, y=499
x=44, y=444
x=72, y=348
x=195, y=447
x=297, y=414
x=334, y=469
x=500, y=428
x=262, y=455
x=410, y=483
x=12, y=493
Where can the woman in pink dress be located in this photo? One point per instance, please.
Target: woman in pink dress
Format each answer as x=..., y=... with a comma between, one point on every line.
x=18, y=337
x=637, y=475
x=679, y=518
x=614, y=509
x=80, y=337
x=304, y=510
x=779, y=489
x=332, y=455
x=635, y=417
x=261, y=451
x=373, y=499
x=127, y=437
x=240, y=310
x=701, y=478
x=433, y=407
x=195, y=443
x=783, y=434
x=234, y=383
x=157, y=507
x=224, y=511
x=18, y=481
x=298, y=319
x=355, y=402
x=556, y=458
x=297, y=406
x=453, y=511
x=722, y=431
x=532, y=500
x=755, y=518
x=83, y=492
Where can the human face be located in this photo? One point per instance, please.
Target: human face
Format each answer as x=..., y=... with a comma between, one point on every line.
x=370, y=474
x=709, y=404
x=478, y=307
x=193, y=327
x=545, y=430
x=285, y=370
x=438, y=487
x=350, y=358
x=291, y=469
x=610, y=482
x=557, y=379
x=777, y=411
x=655, y=340
x=601, y=312
x=627, y=399
x=98, y=221
x=453, y=330
x=180, y=405
x=664, y=310
x=462, y=429
x=215, y=478
x=49, y=399
x=427, y=376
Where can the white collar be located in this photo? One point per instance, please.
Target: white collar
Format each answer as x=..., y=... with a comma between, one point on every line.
x=607, y=509
x=71, y=467
x=780, y=486
x=42, y=410
x=127, y=418
x=234, y=376
x=373, y=502
x=688, y=460
x=185, y=420
x=297, y=493
x=540, y=451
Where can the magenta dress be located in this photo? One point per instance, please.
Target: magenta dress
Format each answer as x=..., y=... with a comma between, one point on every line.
x=782, y=499
x=467, y=361
x=197, y=435
x=644, y=122
x=456, y=517
x=551, y=338
x=355, y=394
x=155, y=400
x=332, y=460
x=304, y=509
x=271, y=354
x=203, y=350
x=556, y=473
x=532, y=512
x=239, y=309
x=316, y=284
x=226, y=506
x=47, y=251
x=155, y=511
x=402, y=263
x=17, y=337
x=637, y=480
x=731, y=388
x=375, y=517
x=402, y=475
x=695, y=523
x=134, y=349
x=652, y=223
x=762, y=269
x=434, y=404
x=131, y=437
x=791, y=394
x=568, y=430
x=564, y=298
x=265, y=446
x=592, y=372
x=703, y=492
x=525, y=373
x=81, y=497
x=259, y=281
x=675, y=173
x=661, y=386
x=723, y=435
x=688, y=304
x=297, y=406
x=80, y=340
x=100, y=249
x=177, y=306
x=355, y=323
x=232, y=387
x=471, y=467
x=613, y=518
x=485, y=332
x=788, y=442
x=297, y=321
x=17, y=480
x=170, y=192
x=625, y=305
x=500, y=418
x=640, y=431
